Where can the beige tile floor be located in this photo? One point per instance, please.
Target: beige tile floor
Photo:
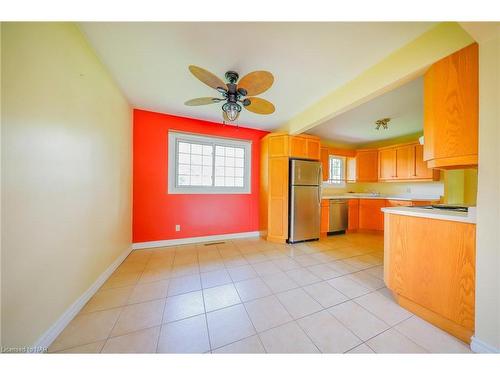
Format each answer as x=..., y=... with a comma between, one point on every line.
x=252, y=296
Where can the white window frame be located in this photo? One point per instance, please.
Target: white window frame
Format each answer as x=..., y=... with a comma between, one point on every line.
x=337, y=183
x=174, y=137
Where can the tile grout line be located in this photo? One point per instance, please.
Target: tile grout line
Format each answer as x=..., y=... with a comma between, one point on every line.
x=205, y=312
x=273, y=260
x=246, y=311
x=122, y=308
x=163, y=311
x=391, y=327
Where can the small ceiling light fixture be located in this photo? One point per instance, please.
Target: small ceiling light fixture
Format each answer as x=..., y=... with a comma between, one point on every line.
x=382, y=122
x=231, y=111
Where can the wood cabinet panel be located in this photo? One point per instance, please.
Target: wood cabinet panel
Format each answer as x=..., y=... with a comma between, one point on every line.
x=398, y=203
x=451, y=110
x=423, y=203
x=278, y=199
x=353, y=215
x=298, y=147
x=439, y=278
x=370, y=214
x=313, y=148
x=387, y=164
x=325, y=216
x=367, y=165
x=405, y=162
x=278, y=145
x=422, y=171
x=325, y=157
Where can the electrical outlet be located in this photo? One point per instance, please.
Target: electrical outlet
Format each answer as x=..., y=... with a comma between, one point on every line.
x=408, y=190
x=177, y=227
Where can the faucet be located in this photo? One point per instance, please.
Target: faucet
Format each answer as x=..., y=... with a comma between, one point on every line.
x=373, y=193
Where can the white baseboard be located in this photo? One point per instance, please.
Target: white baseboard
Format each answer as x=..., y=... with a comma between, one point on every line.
x=51, y=334
x=189, y=240
x=479, y=346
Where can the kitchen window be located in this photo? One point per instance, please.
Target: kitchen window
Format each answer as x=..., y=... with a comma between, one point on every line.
x=199, y=164
x=336, y=172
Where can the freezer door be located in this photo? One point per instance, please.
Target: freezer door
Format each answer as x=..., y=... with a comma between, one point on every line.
x=304, y=213
x=305, y=172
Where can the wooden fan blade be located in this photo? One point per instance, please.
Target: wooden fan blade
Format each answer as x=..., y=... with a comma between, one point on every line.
x=256, y=82
x=206, y=77
x=202, y=101
x=226, y=119
x=260, y=106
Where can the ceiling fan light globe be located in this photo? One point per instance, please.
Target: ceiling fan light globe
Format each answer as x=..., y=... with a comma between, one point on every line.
x=232, y=110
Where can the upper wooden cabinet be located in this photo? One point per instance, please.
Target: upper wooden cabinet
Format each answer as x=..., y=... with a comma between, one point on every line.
x=302, y=146
x=313, y=148
x=325, y=160
x=451, y=111
x=387, y=164
x=367, y=165
x=404, y=162
x=298, y=147
x=422, y=171
x=277, y=145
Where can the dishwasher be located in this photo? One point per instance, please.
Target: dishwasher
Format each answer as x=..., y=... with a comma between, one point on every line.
x=337, y=215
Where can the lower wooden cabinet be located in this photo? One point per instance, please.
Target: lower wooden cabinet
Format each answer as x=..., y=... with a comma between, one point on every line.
x=325, y=216
x=398, y=203
x=429, y=265
x=353, y=215
x=370, y=214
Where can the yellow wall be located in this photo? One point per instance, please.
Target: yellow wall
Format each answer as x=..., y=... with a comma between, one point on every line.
x=417, y=189
x=460, y=186
x=66, y=174
x=488, y=202
x=396, y=69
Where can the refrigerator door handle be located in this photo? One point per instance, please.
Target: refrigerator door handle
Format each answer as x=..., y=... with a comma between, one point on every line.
x=320, y=184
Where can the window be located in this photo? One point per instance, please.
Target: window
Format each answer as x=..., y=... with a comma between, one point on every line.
x=208, y=165
x=336, y=173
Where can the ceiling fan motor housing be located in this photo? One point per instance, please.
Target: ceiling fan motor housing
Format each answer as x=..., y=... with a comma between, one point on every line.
x=232, y=76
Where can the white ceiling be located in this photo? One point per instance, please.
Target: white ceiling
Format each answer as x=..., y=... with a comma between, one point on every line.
x=403, y=105
x=149, y=60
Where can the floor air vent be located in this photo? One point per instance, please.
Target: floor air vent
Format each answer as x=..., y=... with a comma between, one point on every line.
x=213, y=243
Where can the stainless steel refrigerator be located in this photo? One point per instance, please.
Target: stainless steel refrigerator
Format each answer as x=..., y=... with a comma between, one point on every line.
x=305, y=200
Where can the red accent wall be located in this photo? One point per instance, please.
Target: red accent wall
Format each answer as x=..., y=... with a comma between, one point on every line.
x=155, y=212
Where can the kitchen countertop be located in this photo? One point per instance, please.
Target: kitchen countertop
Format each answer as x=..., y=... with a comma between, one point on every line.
x=464, y=217
x=391, y=197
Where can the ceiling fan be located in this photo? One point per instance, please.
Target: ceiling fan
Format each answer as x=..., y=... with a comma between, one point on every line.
x=236, y=94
